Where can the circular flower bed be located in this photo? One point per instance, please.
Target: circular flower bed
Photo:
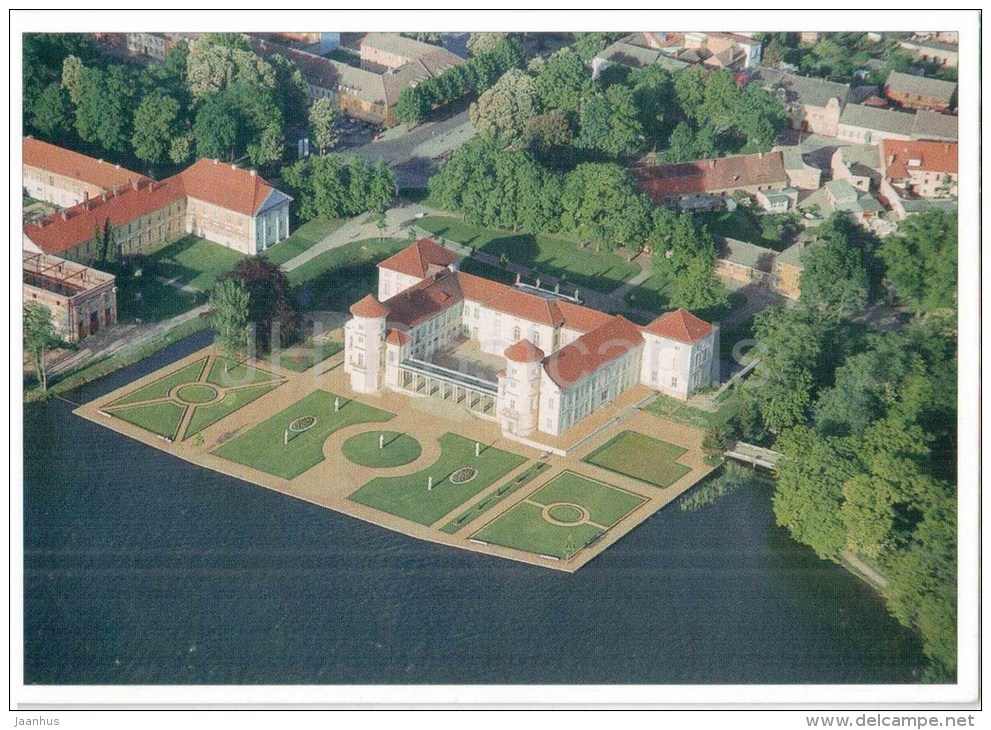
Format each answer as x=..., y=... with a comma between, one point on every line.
x=302, y=423
x=196, y=393
x=464, y=475
x=566, y=513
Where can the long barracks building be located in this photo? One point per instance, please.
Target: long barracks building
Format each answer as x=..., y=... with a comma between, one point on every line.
x=561, y=360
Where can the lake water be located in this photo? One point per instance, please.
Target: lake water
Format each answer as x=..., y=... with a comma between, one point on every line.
x=142, y=568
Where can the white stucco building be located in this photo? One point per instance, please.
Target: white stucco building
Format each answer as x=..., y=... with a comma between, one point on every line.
x=559, y=360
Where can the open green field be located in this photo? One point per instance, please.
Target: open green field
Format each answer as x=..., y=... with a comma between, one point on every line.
x=494, y=498
x=409, y=497
x=194, y=262
x=337, y=278
x=161, y=387
x=299, y=358
x=641, y=457
x=231, y=374
x=685, y=413
x=163, y=417
x=147, y=299
x=397, y=449
x=263, y=447
x=302, y=239
x=559, y=257
x=233, y=400
x=524, y=527
x=654, y=294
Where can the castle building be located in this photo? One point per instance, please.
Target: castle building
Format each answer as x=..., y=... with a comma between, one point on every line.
x=559, y=360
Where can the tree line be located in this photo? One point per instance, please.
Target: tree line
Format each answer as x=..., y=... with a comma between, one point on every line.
x=867, y=420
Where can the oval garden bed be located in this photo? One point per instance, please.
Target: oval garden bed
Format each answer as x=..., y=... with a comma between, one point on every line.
x=397, y=449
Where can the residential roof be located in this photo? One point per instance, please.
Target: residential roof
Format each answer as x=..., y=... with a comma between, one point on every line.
x=425, y=299
x=706, y=176
x=67, y=163
x=397, y=337
x=882, y=120
x=421, y=259
x=680, y=325
x=849, y=199
x=527, y=306
x=629, y=55
x=803, y=89
x=229, y=187
x=901, y=157
x=524, y=351
x=745, y=254
x=369, y=306
x=933, y=125
x=408, y=48
x=68, y=228
x=919, y=205
x=791, y=256
x=583, y=319
x=476, y=289
x=793, y=159
x=922, y=85
x=867, y=155
x=579, y=359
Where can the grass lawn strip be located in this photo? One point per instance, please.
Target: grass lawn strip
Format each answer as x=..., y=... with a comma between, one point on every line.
x=300, y=358
x=194, y=262
x=196, y=393
x=208, y=415
x=523, y=527
x=263, y=447
x=606, y=505
x=230, y=374
x=641, y=457
x=559, y=257
x=161, y=387
x=302, y=239
x=409, y=497
x=398, y=449
x=494, y=498
x=162, y=418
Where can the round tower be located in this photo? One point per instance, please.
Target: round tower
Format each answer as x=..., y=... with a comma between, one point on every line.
x=363, y=344
x=520, y=397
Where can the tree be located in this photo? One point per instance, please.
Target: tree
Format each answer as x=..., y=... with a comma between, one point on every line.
x=481, y=42
x=921, y=260
x=689, y=90
x=833, y=279
x=72, y=78
x=601, y=205
x=434, y=39
x=610, y=122
x=324, y=187
x=229, y=317
x=548, y=132
x=270, y=306
x=89, y=91
x=760, y=116
x=181, y=148
x=155, y=122
x=213, y=67
x=412, y=106
x=589, y=45
x=381, y=187
x=50, y=112
x=721, y=101
x=39, y=336
x=504, y=110
x=323, y=118
x=654, y=96
x=291, y=92
x=215, y=129
x=564, y=82
x=714, y=440
x=697, y=288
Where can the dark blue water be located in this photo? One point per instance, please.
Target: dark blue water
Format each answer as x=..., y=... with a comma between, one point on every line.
x=141, y=568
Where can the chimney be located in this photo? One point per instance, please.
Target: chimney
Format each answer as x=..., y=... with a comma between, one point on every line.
x=64, y=214
x=215, y=160
x=86, y=196
x=233, y=166
x=134, y=184
x=254, y=173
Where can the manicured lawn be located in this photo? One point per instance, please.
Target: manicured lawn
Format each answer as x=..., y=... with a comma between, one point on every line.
x=162, y=418
x=606, y=505
x=230, y=374
x=338, y=278
x=523, y=526
x=490, y=501
x=408, y=496
x=161, y=387
x=682, y=412
x=304, y=356
x=263, y=447
x=654, y=294
x=196, y=393
x=233, y=400
x=147, y=299
x=397, y=449
x=641, y=457
x=302, y=239
x=559, y=257
x=194, y=262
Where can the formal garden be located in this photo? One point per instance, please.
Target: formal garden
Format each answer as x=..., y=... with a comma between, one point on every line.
x=642, y=457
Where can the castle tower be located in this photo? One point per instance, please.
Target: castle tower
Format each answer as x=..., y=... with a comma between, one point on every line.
x=364, y=344
x=519, y=389
x=397, y=345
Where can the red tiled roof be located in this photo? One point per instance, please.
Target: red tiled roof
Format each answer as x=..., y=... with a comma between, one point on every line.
x=477, y=289
x=524, y=351
x=581, y=318
x=425, y=299
x=61, y=161
x=579, y=359
x=420, y=259
x=225, y=185
x=932, y=157
x=370, y=307
x=680, y=325
x=397, y=337
x=711, y=176
x=64, y=230
x=527, y=306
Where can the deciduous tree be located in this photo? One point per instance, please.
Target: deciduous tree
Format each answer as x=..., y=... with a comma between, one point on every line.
x=39, y=337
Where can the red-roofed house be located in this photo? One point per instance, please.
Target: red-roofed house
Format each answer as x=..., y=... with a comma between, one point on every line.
x=562, y=360
x=65, y=178
x=216, y=201
x=924, y=168
x=422, y=260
